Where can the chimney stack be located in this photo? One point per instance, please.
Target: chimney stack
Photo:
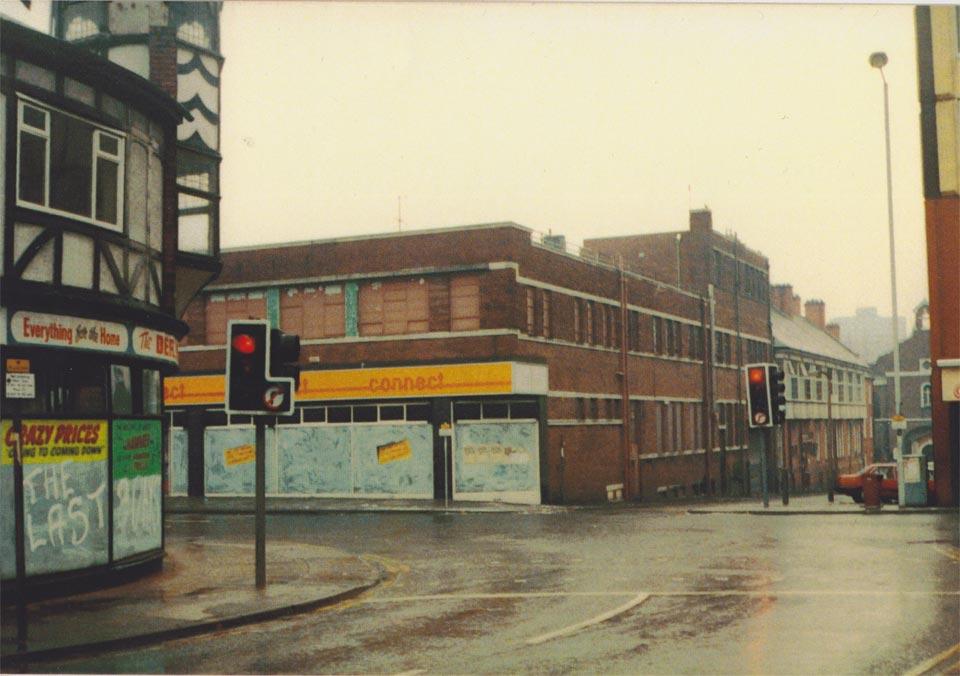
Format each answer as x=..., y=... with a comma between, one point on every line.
x=785, y=300
x=816, y=313
x=701, y=220
x=833, y=330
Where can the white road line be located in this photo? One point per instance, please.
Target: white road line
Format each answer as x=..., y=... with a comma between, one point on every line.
x=719, y=592
x=603, y=617
x=934, y=661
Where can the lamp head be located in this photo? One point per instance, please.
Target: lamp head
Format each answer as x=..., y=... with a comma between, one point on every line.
x=878, y=59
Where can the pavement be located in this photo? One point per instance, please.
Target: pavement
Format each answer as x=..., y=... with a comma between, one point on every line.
x=207, y=585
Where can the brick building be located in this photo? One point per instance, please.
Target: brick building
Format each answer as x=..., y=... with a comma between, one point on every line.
x=523, y=350
x=916, y=392
x=829, y=413
x=938, y=77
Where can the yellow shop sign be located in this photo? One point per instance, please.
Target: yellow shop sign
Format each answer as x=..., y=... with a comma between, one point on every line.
x=441, y=380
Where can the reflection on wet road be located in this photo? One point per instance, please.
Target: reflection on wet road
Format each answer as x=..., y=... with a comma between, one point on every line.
x=589, y=591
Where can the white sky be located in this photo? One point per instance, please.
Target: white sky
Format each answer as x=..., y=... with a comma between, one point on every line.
x=584, y=119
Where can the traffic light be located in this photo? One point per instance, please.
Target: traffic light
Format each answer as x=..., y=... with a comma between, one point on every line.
x=252, y=386
x=285, y=356
x=758, y=394
x=778, y=397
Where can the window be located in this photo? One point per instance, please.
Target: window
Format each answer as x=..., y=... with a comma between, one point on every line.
x=577, y=333
x=121, y=390
x=925, y=395
x=634, y=331
x=152, y=392
x=545, y=312
x=69, y=166
x=194, y=24
x=588, y=323
x=394, y=307
x=83, y=20
x=531, y=328
x=806, y=389
x=313, y=312
x=220, y=308
x=465, y=303
x=657, y=335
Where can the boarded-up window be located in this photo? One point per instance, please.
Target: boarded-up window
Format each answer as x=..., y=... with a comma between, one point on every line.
x=222, y=308
x=313, y=312
x=531, y=328
x=394, y=307
x=465, y=303
x=545, y=312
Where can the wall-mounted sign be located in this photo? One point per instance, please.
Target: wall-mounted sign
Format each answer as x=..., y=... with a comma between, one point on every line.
x=155, y=344
x=397, y=450
x=37, y=328
x=950, y=381
x=20, y=386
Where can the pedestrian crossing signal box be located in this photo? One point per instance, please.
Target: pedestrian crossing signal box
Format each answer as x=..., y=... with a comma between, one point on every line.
x=253, y=387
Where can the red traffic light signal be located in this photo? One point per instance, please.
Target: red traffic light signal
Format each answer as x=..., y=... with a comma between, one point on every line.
x=758, y=395
x=253, y=385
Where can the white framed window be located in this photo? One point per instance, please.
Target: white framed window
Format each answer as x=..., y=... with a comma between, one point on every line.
x=69, y=166
x=926, y=391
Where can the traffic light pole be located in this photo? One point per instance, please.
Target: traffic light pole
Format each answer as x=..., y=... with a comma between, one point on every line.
x=261, y=500
x=767, y=438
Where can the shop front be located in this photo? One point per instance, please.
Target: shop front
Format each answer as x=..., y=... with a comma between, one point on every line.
x=82, y=447
x=462, y=431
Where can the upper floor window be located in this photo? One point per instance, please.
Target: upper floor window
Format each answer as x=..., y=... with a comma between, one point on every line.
x=394, y=307
x=223, y=307
x=69, y=166
x=925, y=395
x=83, y=19
x=313, y=312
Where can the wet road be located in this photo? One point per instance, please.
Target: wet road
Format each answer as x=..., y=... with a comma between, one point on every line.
x=622, y=591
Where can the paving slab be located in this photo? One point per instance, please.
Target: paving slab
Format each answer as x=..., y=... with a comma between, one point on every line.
x=205, y=585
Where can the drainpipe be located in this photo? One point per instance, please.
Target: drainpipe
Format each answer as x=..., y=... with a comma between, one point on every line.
x=625, y=391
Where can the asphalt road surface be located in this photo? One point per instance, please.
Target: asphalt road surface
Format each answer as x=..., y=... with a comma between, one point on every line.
x=628, y=591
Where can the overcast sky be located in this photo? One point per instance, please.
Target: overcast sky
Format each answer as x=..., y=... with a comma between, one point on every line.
x=585, y=119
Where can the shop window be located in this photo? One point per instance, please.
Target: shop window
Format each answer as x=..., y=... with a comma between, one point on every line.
x=466, y=411
x=121, y=390
x=338, y=414
x=68, y=165
x=315, y=415
x=524, y=410
x=218, y=418
x=363, y=414
x=178, y=419
x=419, y=412
x=492, y=410
x=293, y=419
x=152, y=392
x=391, y=413
x=240, y=420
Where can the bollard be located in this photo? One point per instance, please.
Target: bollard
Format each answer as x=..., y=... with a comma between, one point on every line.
x=871, y=492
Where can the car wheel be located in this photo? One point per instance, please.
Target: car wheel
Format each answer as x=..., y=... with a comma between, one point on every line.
x=857, y=496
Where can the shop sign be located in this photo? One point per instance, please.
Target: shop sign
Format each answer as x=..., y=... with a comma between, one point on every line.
x=950, y=380
x=193, y=390
x=398, y=450
x=35, y=328
x=494, y=454
x=155, y=345
x=18, y=366
x=384, y=383
x=54, y=441
x=412, y=381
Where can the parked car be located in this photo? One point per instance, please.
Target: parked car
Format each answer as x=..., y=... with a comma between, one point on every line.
x=852, y=484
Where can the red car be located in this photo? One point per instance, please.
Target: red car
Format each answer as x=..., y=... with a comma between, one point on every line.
x=852, y=484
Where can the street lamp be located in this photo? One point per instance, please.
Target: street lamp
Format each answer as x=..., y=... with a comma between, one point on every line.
x=878, y=60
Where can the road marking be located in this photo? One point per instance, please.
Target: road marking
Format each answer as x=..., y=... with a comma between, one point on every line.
x=934, y=661
x=950, y=552
x=603, y=617
x=726, y=592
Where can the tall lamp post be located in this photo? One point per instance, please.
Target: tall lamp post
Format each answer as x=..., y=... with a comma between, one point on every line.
x=878, y=60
